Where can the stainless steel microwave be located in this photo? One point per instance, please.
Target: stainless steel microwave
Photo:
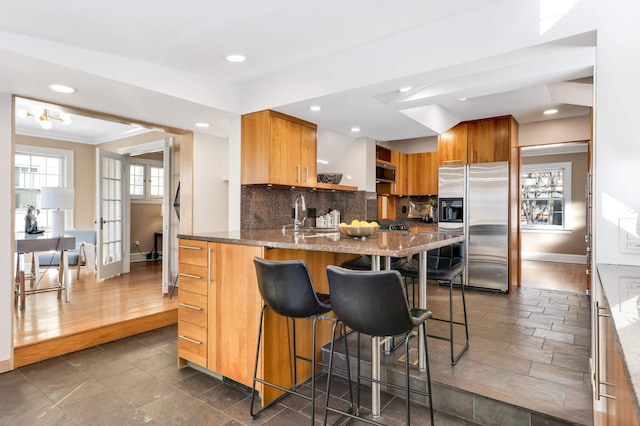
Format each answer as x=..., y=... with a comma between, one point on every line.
x=385, y=173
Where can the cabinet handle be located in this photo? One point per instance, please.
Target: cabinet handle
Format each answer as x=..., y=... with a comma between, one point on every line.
x=473, y=155
x=190, y=247
x=601, y=312
x=307, y=172
x=452, y=161
x=196, y=277
x=298, y=171
x=195, y=308
x=196, y=342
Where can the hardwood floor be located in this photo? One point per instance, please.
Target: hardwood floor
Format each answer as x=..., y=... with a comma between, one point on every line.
x=98, y=312
x=554, y=276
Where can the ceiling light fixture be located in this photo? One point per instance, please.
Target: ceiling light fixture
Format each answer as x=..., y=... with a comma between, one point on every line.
x=550, y=111
x=202, y=124
x=43, y=116
x=355, y=129
x=61, y=88
x=404, y=89
x=236, y=58
x=462, y=99
x=315, y=107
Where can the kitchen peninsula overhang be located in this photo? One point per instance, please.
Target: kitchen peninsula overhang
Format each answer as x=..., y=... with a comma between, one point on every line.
x=394, y=244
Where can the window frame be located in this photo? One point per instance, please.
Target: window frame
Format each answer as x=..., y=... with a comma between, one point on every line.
x=148, y=164
x=566, y=227
x=66, y=178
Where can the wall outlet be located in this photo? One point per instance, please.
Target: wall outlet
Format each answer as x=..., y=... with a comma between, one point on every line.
x=137, y=243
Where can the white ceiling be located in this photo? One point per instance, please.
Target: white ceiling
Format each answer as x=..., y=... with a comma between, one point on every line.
x=163, y=62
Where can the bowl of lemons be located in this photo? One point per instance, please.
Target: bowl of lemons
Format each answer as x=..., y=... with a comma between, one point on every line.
x=358, y=228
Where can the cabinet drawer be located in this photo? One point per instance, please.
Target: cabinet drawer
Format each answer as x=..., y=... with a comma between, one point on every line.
x=192, y=308
x=192, y=343
x=193, y=279
x=193, y=252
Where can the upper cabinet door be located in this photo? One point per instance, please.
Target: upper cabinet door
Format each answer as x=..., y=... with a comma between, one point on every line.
x=488, y=140
x=284, y=152
x=278, y=149
x=423, y=173
x=308, y=154
x=452, y=146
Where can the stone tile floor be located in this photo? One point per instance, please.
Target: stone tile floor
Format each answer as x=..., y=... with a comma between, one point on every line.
x=135, y=381
x=529, y=349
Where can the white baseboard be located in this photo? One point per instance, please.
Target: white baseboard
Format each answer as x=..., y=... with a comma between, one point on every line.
x=554, y=257
x=142, y=257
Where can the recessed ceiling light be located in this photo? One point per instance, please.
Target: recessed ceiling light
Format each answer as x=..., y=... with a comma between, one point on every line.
x=404, y=89
x=61, y=88
x=202, y=124
x=236, y=58
x=550, y=111
x=315, y=107
x=462, y=99
x=355, y=129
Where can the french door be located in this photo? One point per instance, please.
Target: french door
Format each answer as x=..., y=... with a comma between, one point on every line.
x=109, y=210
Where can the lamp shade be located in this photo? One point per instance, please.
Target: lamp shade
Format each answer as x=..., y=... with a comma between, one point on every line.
x=56, y=197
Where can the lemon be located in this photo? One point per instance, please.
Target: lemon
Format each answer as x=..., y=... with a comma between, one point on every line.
x=355, y=223
x=365, y=224
x=342, y=224
x=374, y=223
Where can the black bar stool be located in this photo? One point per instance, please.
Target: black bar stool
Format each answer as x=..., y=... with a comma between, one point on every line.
x=286, y=288
x=444, y=264
x=374, y=303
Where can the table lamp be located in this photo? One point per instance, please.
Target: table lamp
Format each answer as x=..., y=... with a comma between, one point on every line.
x=58, y=199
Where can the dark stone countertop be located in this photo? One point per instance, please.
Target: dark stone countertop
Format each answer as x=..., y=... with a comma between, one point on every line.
x=395, y=244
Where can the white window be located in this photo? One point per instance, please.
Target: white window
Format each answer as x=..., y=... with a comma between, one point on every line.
x=36, y=167
x=136, y=180
x=146, y=179
x=156, y=182
x=545, y=196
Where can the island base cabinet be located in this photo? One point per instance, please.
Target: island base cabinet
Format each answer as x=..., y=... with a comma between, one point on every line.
x=234, y=312
x=226, y=342
x=192, y=343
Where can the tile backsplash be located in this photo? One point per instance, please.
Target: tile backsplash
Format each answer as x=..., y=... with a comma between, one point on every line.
x=264, y=207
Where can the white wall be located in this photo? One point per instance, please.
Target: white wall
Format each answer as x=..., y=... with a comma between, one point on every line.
x=413, y=146
x=350, y=156
x=617, y=140
x=554, y=131
x=6, y=235
x=211, y=188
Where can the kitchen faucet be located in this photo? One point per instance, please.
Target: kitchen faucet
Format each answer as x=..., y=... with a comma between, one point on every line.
x=298, y=207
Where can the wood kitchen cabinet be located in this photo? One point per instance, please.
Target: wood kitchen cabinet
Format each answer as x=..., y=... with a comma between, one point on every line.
x=234, y=312
x=192, y=302
x=452, y=146
x=220, y=307
x=278, y=149
x=615, y=390
x=479, y=141
x=423, y=173
x=489, y=140
x=400, y=161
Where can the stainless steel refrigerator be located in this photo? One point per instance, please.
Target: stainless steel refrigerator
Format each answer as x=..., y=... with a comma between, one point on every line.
x=474, y=199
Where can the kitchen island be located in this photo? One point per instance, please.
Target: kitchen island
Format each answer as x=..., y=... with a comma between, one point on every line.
x=220, y=302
